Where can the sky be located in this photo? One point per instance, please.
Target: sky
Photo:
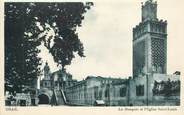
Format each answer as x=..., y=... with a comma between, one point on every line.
x=106, y=34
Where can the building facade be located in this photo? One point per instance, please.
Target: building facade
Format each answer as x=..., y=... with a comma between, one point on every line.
x=98, y=90
x=150, y=89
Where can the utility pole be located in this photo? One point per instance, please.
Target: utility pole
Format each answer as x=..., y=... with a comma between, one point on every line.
x=147, y=90
x=128, y=91
x=108, y=92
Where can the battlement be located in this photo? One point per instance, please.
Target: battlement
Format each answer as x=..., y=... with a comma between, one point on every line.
x=149, y=2
x=150, y=26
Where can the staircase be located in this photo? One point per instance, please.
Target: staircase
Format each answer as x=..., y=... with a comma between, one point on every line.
x=60, y=97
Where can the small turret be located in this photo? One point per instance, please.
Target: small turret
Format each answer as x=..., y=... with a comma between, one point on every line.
x=149, y=10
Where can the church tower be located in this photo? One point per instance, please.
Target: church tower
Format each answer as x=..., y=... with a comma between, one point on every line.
x=150, y=42
x=46, y=72
x=46, y=81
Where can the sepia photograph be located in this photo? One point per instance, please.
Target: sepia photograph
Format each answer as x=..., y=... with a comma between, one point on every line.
x=88, y=56
x=42, y=43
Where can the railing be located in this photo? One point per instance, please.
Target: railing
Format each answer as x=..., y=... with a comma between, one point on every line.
x=55, y=96
x=63, y=95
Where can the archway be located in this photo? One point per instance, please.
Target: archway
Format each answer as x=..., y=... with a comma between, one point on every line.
x=43, y=99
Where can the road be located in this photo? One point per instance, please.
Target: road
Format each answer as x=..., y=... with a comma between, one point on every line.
x=46, y=105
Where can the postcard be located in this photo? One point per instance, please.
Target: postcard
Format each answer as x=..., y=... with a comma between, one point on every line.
x=85, y=57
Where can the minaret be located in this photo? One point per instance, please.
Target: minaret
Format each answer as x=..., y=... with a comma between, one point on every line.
x=150, y=42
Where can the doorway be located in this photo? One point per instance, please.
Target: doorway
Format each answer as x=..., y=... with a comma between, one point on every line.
x=43, y=99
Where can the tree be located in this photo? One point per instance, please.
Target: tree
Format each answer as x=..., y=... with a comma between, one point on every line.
x=27, y=25
x=21, y=60
x=63, y=18
x=168, y=88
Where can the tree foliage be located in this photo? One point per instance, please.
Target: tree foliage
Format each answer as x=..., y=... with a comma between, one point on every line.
x=29, y=24
x=64, y=19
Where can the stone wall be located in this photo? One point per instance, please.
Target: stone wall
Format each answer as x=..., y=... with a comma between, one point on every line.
x=148, y=81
